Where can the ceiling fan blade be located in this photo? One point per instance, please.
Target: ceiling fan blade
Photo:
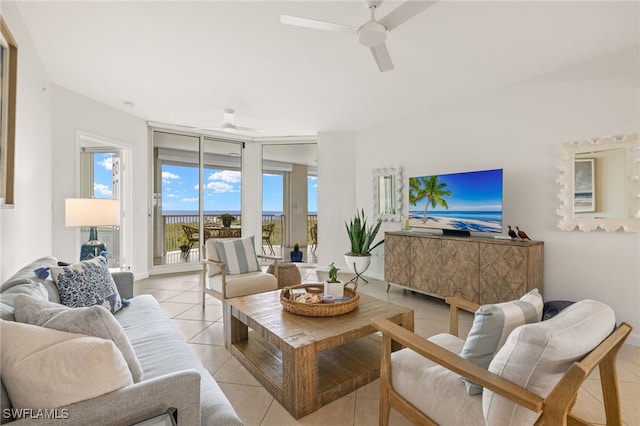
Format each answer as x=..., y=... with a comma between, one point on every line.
x=404, y=12
x=319, y=25
x=382, y=57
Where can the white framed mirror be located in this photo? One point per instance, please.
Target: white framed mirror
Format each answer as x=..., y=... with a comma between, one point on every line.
x=600, y=184
x=387, y=194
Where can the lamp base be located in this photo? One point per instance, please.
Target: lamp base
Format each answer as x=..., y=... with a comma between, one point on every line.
x=94, y=246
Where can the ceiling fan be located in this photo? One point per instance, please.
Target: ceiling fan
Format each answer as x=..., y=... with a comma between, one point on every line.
x=373, y=33
x=229, y=125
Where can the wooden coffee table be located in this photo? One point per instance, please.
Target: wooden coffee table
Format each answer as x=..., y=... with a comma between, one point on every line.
x=307, y=362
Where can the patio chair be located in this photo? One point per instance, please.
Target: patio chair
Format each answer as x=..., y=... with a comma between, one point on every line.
x=533, y=379
x=267, y=230
x=314, y=237
x=234, y=271
x=193, y=237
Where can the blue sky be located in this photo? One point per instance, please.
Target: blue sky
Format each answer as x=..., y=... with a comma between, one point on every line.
x=222, y=188
x=481, y=190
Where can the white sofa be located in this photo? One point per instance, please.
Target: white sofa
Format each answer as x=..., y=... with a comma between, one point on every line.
x=173, y=376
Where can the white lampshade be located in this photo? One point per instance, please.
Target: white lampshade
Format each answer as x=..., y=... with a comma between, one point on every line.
x=91, y=212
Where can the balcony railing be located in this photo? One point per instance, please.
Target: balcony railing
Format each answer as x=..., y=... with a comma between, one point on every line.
x=174, y=235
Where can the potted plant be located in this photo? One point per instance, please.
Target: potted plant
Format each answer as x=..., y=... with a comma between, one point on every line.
x=333, y=285
x=296, y=254
x=361, y=238
x=227, y=219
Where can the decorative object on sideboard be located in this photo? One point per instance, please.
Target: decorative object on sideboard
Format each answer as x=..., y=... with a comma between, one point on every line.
x=613, y=169
x=522, y=235
x=361, y=238
x=91, y=212
x=511, y=232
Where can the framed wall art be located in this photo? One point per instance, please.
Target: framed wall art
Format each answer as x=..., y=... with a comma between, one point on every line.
x=8, y=77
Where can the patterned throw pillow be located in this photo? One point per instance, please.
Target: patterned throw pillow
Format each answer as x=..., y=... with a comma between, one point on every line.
x=87, y=283
x=239, y=255
x=492, y=324
x=93, y=321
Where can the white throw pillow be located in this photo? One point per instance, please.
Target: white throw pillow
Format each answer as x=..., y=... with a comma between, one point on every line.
x=94, y=321
x=44, y=368
x=239, y=255
x=492, y=324
x=87, y=283
x=536, y=356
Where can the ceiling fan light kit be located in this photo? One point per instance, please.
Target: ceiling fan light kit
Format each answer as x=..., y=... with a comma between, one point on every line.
x=372, y=34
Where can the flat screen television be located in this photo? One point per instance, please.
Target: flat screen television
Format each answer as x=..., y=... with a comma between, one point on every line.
x=457, y=203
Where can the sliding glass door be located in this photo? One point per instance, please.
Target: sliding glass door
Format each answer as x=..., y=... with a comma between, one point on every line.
x=197, y=179
x=289, y=198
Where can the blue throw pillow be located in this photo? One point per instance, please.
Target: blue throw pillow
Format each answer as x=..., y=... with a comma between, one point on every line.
x=87, y=283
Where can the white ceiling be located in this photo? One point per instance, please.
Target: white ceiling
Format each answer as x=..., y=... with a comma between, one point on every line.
x=184, y=62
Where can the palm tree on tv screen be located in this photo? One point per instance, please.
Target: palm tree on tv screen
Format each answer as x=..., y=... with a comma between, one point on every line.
x=431, y=188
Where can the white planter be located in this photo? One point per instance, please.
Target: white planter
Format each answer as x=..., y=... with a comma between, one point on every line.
x=334, y=289
x=357, y=264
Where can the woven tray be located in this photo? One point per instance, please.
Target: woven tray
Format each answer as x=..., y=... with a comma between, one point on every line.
x=321, y=309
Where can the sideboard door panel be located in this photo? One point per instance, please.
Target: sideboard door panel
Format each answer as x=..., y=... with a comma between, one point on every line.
x=426, y=265
x=397, y=259
x=460, y=267
x=503, y=272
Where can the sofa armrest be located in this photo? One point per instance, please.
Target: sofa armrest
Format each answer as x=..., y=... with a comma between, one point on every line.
x=133, y=404
x=124, y=282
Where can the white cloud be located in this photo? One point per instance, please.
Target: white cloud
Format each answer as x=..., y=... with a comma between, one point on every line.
x=220, y=187
x=171, y=196
x=226, y=176
x=169, y=175
x=189, y=200
x=102, y=189
x=107, y=163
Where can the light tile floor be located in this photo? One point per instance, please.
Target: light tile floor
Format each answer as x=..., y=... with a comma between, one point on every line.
x=180, y=297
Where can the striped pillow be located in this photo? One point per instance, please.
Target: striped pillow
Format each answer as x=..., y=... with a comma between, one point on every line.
x=239, y=255
x=492, y=324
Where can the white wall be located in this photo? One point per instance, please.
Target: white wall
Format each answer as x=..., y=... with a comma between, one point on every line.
x=25, y=229
x=519, y=129
x=73, y=112
x=336, y=196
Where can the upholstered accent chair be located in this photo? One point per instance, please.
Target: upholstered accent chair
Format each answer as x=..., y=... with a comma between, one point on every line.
x=230, y=269
x=533, y=378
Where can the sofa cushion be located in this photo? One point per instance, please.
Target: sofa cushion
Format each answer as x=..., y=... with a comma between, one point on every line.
x=87, y=283
x=434, y=389
x=28, y=287
x=44, y=368
x=161, y=350
x=492, y=324
x=536, y=356
x=239, y=255
x=94, y=321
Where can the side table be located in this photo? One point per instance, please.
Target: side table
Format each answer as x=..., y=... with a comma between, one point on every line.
x=288, y=274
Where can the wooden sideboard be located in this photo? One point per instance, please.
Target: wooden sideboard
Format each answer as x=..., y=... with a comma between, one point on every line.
x=480, y=269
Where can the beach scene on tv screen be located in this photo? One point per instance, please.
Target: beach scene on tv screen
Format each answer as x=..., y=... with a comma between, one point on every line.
x=470, y=201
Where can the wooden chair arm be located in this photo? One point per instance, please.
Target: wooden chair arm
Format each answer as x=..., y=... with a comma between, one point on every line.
x=456, y=303
x=457, y=364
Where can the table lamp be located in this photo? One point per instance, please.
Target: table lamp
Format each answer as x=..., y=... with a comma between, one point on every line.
x=91, y=212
